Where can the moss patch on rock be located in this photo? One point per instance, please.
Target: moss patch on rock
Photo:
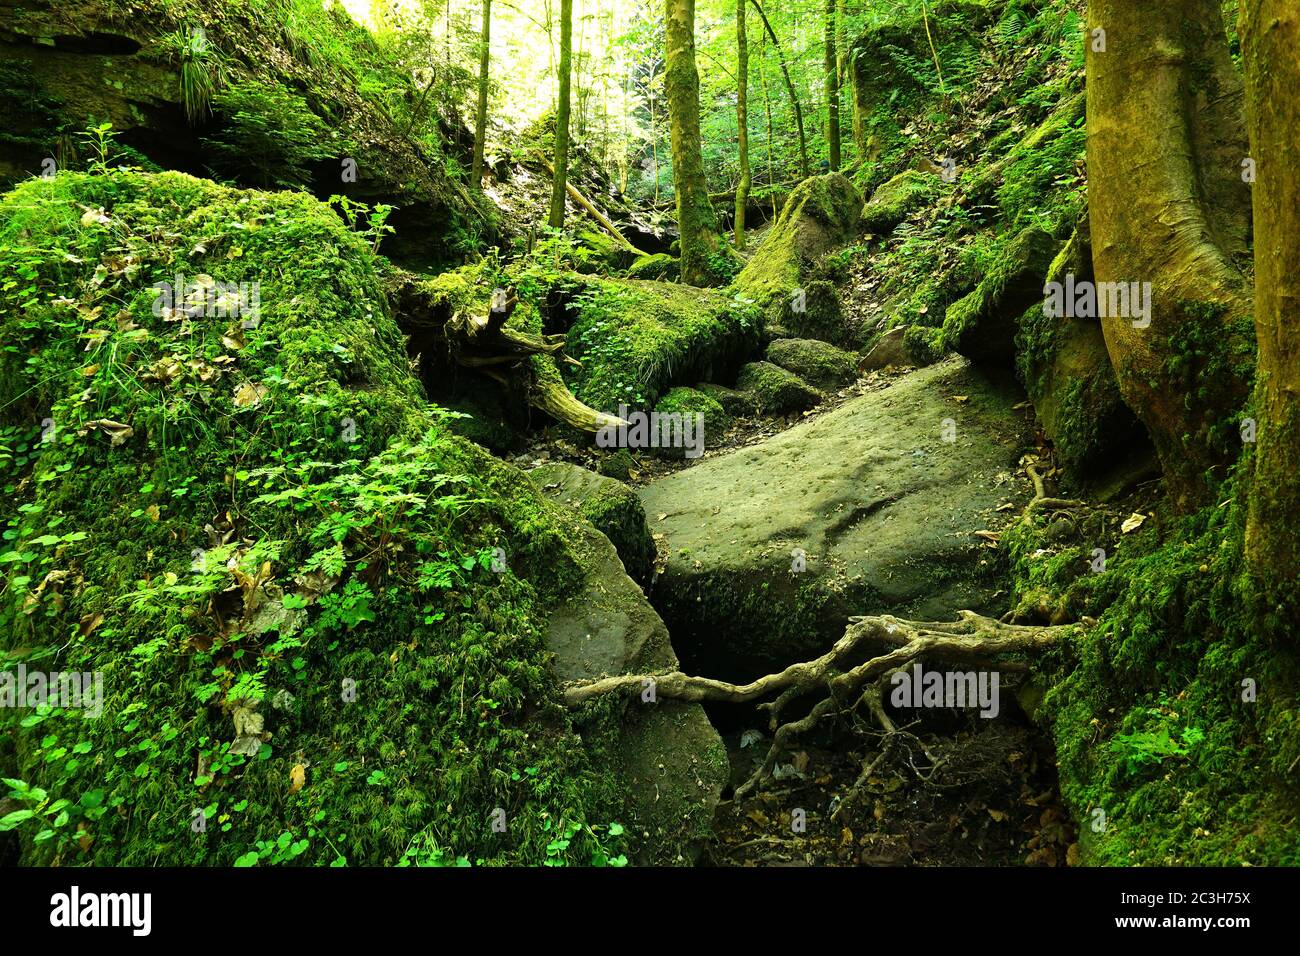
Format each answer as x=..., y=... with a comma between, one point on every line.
x=897, y=199
x=611, y=506
x=819, y=363
x=776, y=391
x=820, y=215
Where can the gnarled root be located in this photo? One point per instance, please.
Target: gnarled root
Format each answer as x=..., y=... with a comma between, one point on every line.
x=971, y=638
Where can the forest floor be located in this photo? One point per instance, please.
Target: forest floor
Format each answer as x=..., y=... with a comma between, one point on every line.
x=958, y=790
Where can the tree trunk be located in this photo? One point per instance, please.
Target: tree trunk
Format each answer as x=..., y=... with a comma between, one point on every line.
x=789, y=85
x=742, y=122
x=1169, y=207
x=558, y=190
x=832, y=89
x=695, y=220
x=480, y=116
x=1270, y=34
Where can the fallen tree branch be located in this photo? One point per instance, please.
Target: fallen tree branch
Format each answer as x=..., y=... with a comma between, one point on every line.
x=592, y=211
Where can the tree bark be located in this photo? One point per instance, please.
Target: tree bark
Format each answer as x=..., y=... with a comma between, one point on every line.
x=561, y=178
x=1169, y=207
x=480, y=115
x=1270, y=34
x=789, y=85
x=695, y=220
x=742, y=122
x=832, y=88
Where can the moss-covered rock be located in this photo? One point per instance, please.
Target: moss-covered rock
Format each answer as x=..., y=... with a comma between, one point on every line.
x=691, y=401
x=820, y=215
x=599, y=252
x=299, y=106
x=982, y=326
x=619, y=464
x=324, y=623
x=1067, y=373
x=658, y=267
x=611, y=506
x=636, y=339
x=897, y=199
x=819, y=363
x=776, y=391
x=735, y=403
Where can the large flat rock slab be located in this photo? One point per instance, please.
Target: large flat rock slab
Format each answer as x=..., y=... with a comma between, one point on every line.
x=866, y=509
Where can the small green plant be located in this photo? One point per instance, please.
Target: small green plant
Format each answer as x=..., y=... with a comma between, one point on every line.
x=369, y=222
x=100, y=140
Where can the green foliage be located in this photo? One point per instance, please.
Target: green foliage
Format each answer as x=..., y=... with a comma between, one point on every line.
x=273, y=551
x=270, y=129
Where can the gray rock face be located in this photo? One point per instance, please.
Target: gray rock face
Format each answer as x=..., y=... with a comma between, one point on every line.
x=608, y=504
x=670, y=763
x=866, y=509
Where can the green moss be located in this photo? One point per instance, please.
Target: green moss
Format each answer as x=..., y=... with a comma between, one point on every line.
x=897, y=199
x=660, y=267
x=820, y=215
x=611, y=506
x=819, y=363
x=286, y=514
x=1151, y=708
x=636, y=339
x=776, y=391
x=690, y=401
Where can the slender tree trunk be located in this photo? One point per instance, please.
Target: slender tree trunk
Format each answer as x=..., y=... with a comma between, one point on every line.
x=561, y=178
x=832, y=89
x=1270, y=35
x=789, y=85
x=1169, y=207
x=695, y=219
x=767, y=107
x=480, y=116
x=742, y=122
x=654, y=136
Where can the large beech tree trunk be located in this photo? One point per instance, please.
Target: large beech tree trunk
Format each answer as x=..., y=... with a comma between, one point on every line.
x=1169, y=206
x=696, y=223
x=1270, y=33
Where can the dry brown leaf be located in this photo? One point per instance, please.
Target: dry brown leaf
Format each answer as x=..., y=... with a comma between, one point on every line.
x=249, y=394
x=1132, y=522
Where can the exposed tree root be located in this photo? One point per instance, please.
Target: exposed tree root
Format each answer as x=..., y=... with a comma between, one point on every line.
x=487, y=344
x=1041, y=499
x=846, y=686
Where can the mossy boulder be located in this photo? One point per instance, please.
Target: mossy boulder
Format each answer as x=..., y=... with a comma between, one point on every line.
x=818, y=363
x=776, y=391
x=611, y=506
x=1067, y=373
x=820, y=215
x=735, y=403
x=658, y=267
x=897, y=199
x=982, y=325
x=600, y=253
x=637, y=339
x=324, y=622
x=691, y=401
